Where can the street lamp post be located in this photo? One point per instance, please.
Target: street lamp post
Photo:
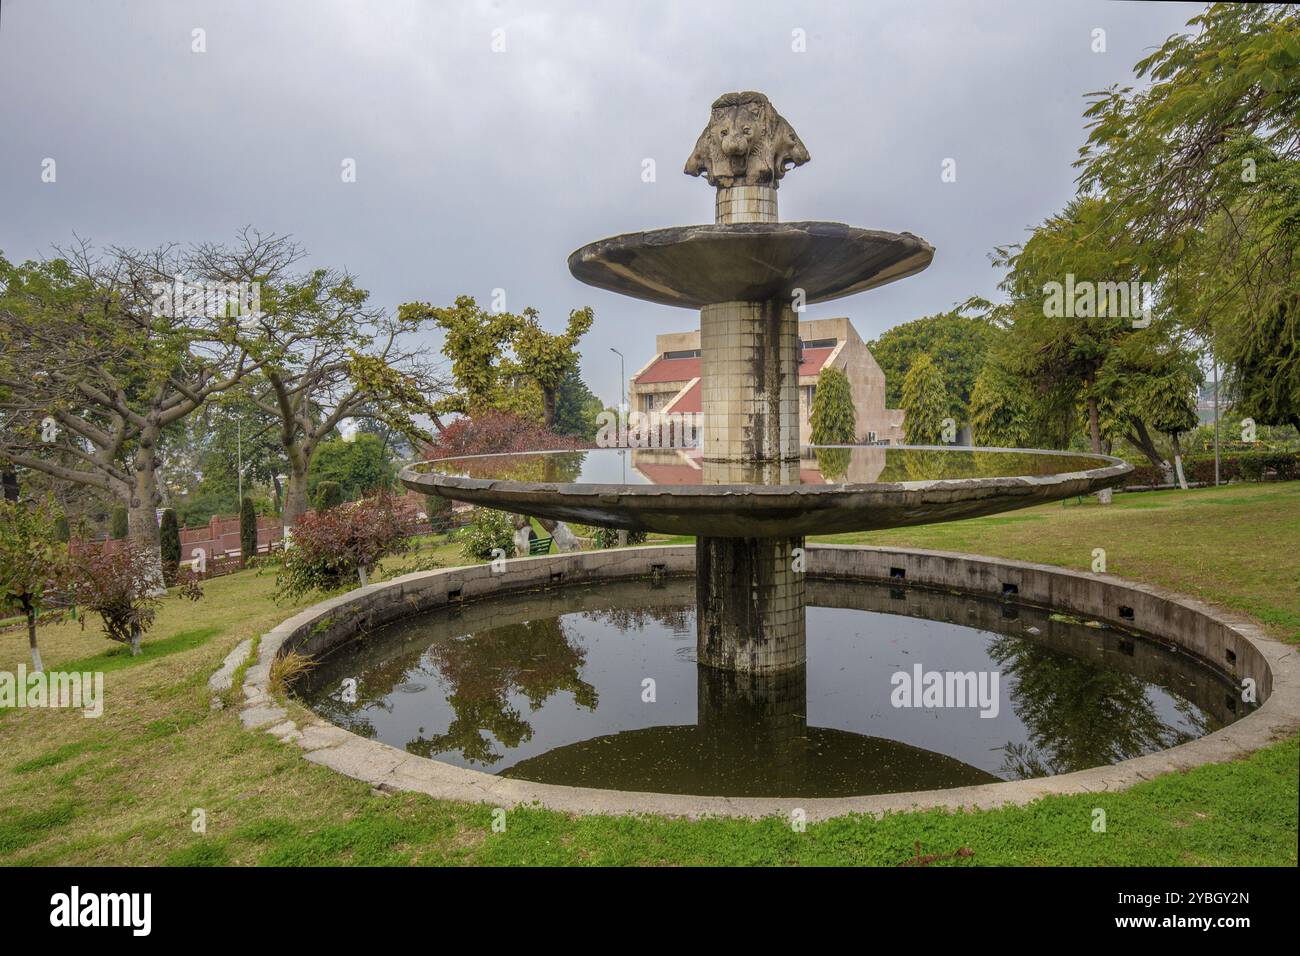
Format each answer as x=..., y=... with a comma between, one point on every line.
x=622, y=381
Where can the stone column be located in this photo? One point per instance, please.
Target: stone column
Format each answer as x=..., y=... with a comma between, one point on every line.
x=750, y=600
x=750, y=604
x=749, y=372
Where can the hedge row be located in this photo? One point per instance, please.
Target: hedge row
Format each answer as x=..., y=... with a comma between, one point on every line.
x=1242, y=466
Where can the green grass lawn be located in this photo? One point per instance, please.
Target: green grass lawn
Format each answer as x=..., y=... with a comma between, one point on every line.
x=121, y=789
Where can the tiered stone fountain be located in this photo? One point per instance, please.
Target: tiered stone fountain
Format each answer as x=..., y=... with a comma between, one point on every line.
x=750, y=275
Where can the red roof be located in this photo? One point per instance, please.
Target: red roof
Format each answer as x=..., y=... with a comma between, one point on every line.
x=813, y=360
x=690, y=402
x=670, y=370
x=684, y=369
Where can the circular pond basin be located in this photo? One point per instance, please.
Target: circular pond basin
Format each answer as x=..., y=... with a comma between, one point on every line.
x=827, y=489
x=597, y=687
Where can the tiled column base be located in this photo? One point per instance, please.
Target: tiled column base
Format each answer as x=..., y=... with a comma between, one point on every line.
x=749, y=604
x=745, y=204
x=750, y=381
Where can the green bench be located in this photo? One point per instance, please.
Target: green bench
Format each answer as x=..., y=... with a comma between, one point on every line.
x=539, y=546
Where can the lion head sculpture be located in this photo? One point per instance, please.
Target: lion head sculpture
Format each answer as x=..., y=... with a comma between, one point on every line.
x=747, y=143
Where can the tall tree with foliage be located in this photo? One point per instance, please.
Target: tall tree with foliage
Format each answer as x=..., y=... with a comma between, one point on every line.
x=1200, y=166
x=247, y=529
x=925, y=402
x=329, y=494
x=1001, y=416
x=503, y=361
x=103, y=358
x=327, y=354
x=169, y=535
x=833, y=417
x=32, y=561
x=359, y=466
x=577, y=409
x=957, y=342
x=119, y=523
x=548, y=358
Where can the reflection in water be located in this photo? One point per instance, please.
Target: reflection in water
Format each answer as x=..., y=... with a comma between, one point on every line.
x=1079, y=715
x=482, y=671
x=551, y=686
x=816, y=465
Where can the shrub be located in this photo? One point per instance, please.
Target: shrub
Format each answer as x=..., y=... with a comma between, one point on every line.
x=247, y=530
x=62, y=530
x=487, y=531
x=439, y=510
x=329, y=494
x=118, y=524
x=118, y=587
x=169, y=539
x=330, y=548
x=1239, y=466
x=608, y=537
x=490, y=431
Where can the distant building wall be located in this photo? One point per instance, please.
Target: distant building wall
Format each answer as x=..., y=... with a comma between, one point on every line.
x=666, y=379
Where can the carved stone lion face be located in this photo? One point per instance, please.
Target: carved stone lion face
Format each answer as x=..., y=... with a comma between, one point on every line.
x=747, y=143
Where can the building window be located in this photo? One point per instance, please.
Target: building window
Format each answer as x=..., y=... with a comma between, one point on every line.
x=683, y=353
x=821, y=343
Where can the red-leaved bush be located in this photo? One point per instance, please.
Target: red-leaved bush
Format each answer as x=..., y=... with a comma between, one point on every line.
x=120, y=588
x=328, y=549
x=492, y=432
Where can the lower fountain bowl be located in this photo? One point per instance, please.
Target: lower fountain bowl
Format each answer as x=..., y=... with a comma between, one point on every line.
x=829, y=489
x=1226, y=644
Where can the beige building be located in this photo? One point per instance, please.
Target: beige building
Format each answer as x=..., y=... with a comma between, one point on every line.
x=670, y=382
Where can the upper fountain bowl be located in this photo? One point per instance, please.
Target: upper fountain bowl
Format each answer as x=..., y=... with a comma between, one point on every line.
x=695, y=266
x=827, y=490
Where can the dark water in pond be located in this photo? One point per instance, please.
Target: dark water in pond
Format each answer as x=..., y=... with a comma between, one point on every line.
x=553, y=687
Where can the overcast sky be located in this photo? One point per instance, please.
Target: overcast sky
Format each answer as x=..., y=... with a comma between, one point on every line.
x=478, y=169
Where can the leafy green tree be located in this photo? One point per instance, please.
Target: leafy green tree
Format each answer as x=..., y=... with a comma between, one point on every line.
x=577, y=410
x=118, y=523
x=925, y=402
x=477, y=342
x=1000, y=411
x=32, y=561
x=360, y=466
x=833, y=417
x=548, y=358
x=169, y=535
x=1201, y=167
x=956, y=341
x=329, y=494
x=1168, y=152
x=504, y=361
x=227, y=434
x=439, y=510
x=247, y=529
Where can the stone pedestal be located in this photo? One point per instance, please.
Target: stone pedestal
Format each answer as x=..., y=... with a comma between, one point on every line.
x=736, y=204
x=750, y=604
